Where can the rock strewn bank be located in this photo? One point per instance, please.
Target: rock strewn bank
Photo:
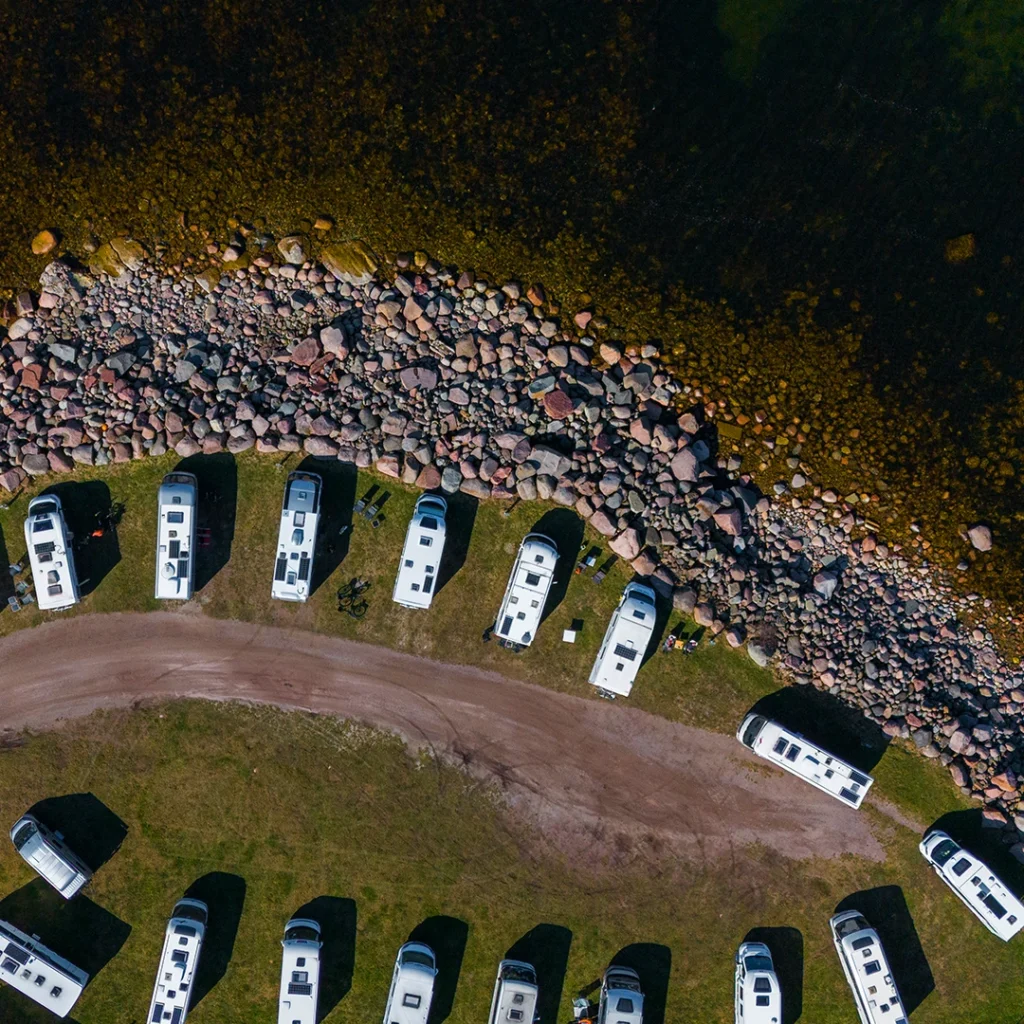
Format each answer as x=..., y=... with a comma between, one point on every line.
x=450, y=382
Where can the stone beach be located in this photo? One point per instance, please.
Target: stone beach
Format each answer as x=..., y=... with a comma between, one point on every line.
x=445, y=381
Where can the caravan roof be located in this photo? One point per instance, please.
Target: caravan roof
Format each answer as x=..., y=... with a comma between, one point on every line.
x=49, y=553
x=300, y=972
x=49, y=855
x=422, y=553
x=758, y=995
x=37, y=972
x=183, y=942
x=296, y=539
x=625, y=641
x=412, y=985
x=176, y=537
x=622, y=1001
x=867, y=969
x=523, y=604
x=515, y=993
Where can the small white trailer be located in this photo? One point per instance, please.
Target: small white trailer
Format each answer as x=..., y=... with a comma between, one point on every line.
x=37, y=972
x=758, y=994
x=300, y=972
x=515, y=993
x=296, y=537
x=867, y=969
x=625, y=641
x=528, y=586
x=48, y=541
x=622, y=1001
x=46, y=853
x=422, y=553
x=176, y=508
x=179, y=961
x=412, y=985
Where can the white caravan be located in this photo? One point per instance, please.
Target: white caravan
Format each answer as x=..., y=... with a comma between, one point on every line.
x=527, y=590
x=412, y=985
x=176, y=537
x=37, y=972
x=867, y=970
x=625, y=641
x=974, y=882
x=758, y=995
x=421, y=556
x=796, y=754
x=300, y=972
x=296, y=538
x=49, y=553
x=515, y=993
x=46, y=853
x=621, y=1002
x=179, y=960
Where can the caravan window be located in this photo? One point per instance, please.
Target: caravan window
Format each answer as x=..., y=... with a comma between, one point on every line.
x=961, y=866
x=532, y=579
x=791, y=754
x=780, y=745
x=175, y=517
x=410, y=1000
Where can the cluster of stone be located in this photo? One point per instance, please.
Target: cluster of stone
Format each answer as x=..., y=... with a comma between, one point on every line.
x=449, y=382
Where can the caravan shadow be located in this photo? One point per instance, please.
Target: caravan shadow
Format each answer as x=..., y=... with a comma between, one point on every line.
x=217, y=482
x=224, y=895
x=90, y=828
x=336, y=501
x=968, y=828
x=885, y=909
x=546, y=947
x=87, y=509
x=787, y=948
x=565, y=528
x=337, y=920
x=446, y=936
x=653, y=962
x=458, y=534
x=826, y=721
x=662, y=615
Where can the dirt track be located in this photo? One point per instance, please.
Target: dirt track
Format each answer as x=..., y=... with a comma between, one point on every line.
x=577, y=766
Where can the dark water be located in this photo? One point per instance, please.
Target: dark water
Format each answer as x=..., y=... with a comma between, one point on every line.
x=767, y=186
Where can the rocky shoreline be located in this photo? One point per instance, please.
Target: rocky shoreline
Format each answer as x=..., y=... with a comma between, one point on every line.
x=447, y=381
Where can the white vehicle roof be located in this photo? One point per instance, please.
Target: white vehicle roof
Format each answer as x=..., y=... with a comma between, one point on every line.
x=527, y=590
x=622, y=1002
x=758, y=995
x=49, y=554
x=296, y=539
x=867, y=969
x=412, y=985
x=796, y=754
x=515, y=993
x=421, y=555
x=49, y=856
x=300, y=972
x=179, y=959
x=176, y=537
x=625, y=641
x=37, y=972
x=975, y=883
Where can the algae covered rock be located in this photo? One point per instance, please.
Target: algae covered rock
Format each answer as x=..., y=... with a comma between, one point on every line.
x=353, y=262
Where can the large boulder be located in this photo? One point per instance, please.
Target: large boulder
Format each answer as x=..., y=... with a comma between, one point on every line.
x=353, y=262
x=319, y=446
x=627, y=544
x=685, y=466
x=980, y=537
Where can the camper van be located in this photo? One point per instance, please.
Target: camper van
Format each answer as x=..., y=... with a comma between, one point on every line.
x=867, y=970
x=49, y=553
x=515, y=994
x=46, y=853
x=976, y=885
x=527, y=591
x=412, y=985
x=800, y=757
x=421, y=556
x=176, y=537
x=179, y=961
x=758, y=995
x=296, y=538
x=625, y=641
x=37, y=972
x=621, y=1001
x=300, y=972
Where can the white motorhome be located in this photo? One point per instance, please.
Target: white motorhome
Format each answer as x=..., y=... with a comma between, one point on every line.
x=625, y=641
x=527, y=591
x=412, y=985
x=758, y=994
x=300, y=972
x=46, y=853
x=179, y=961
x=621, y=1001
x=296, y=538
x=421, y=555
x=37, y=972
x=515, y=993
x=176, y=537
x=49, y=553
x=867, y=969
x=976, y=885
x=796, y=754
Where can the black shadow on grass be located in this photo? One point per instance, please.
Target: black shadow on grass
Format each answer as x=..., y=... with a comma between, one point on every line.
x=565, y=528
x=969, y=830
x=87, y=506
x=6, y=579
x=787, y=948
x=662, y=614
x=217, y=481
x=446, y=936
x=337, y=920
x=885, y=909
x=458, y=533
x=78, y=930
x=337, y=498
x=224, y=895
x=546, y=948
x=89, y=827
x=653, y=962
x=826, y=721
